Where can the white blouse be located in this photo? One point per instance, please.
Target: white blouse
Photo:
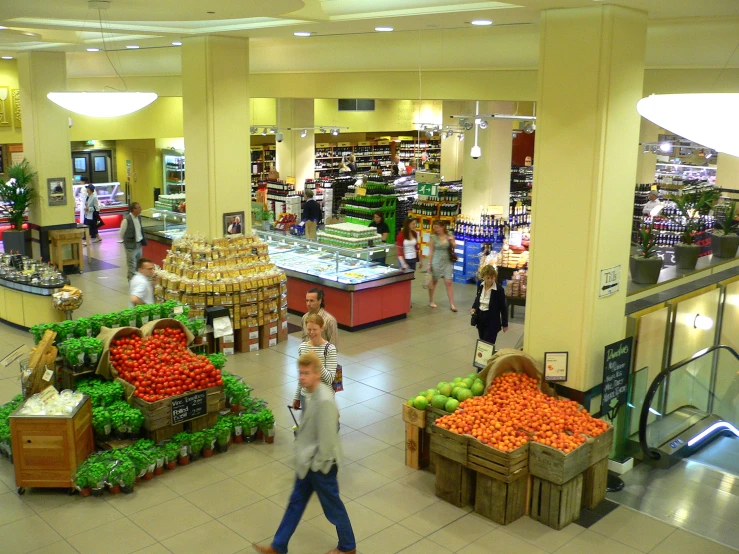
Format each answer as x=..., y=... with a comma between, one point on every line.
x=485, y=297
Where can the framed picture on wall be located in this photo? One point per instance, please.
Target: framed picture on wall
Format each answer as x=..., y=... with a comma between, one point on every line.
x=57, y=191
x=233, y=223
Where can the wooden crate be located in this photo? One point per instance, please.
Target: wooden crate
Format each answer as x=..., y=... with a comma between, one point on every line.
x=494, y=463
x=417, y=445
x=449, y=445
x=594, y=484
x=413, y=416
x=556, y=505
x=432, y=414
x=203, y=422
x=600, y=446
x=502, y=502
x=67, y=379
x=159, y=414
x=554, y=465
x=454, y=482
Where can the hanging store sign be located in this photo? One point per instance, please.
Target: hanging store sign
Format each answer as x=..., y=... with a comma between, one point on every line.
x=610, y=281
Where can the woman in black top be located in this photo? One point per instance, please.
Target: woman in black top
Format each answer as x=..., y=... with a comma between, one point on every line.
x=378, y=221
x=490, y=306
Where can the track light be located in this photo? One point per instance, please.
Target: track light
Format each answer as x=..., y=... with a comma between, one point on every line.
x=303, y=133
x=322, y=129
x=483, y=124
x=529, y=128
x=703, y=322
x=460, y=136
x=665, y=147
x=253, y=130
x=468, y=126
x=709, y=154
x=334, y=132
x=646, y=149
x=272, y=130
x=264, y=132
x=279, y=137
x=429, y=134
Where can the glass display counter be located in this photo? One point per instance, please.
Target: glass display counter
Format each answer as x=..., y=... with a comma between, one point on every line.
x=160, y=228
x=26, y=287
x=360, y=290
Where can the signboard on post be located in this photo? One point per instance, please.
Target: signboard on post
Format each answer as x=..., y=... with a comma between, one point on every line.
x=483, y=352
x=616, y=371
x=555, y=366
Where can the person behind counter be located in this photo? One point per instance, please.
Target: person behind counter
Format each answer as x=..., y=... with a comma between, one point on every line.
x=92, y=213
x=133, y=238
x=351, y=162
x=311, y=215
x=378, y=222
x=398, y=167
x=652, y=203
x=489, y=307
x=141, y=287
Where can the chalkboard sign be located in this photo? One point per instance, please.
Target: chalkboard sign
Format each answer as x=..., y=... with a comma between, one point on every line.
x=189, y=407
x=616, y=371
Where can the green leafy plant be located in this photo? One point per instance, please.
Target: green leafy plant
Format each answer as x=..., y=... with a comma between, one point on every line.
x=689, y=208
x=97, y=472
x=82, y=327
x=197, y=440
x=647, y=247
x=72, y=351
x=171, y=451
x=127, y=317
x=209, y=436
x=101, y=421
x=96, y=323
x=728, y=224
x=18, y=192
x=93, y=349
x=265, y=419
x=219, y=360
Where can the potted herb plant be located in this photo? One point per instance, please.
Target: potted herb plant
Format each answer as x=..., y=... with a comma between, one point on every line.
x=238, y=428
x=18, y=193
x=82, y=327
x=183, y=440
x=97, y=472
x=266, y=421
x=81, y=479
x=134, y=419
x=250, y=425
x=725, y=240
x=689, y=208
x=118, y=420
x=223, y=435
x=101, y=423
x=96, y=323
x=197, y=441
x=127, y=475
x=645, y=265
x=171, y=451
x=209, y=442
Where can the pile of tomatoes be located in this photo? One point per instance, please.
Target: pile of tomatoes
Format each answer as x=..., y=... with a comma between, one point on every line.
x=161, y=365
x=515, y=411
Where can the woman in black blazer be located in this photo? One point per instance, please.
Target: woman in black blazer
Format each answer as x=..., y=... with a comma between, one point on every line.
x=490, y=306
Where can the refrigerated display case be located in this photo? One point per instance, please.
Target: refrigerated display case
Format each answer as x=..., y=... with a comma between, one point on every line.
x=160, y=228
x=112, y=198
x=359, y=289
x=173, y=162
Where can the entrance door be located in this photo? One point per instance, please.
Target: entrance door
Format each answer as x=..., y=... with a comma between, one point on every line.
x=81, y=167
x=140, y=191
x=101, y=169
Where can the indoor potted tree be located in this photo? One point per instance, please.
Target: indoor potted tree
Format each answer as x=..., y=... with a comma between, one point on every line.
x=17, y=194
x=645, y=265
x=725, y=240
x=689, y=208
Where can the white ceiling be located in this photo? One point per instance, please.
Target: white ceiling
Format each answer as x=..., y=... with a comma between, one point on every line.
x=428, y=33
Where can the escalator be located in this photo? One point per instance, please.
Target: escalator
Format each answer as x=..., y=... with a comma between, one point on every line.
x=692, y=410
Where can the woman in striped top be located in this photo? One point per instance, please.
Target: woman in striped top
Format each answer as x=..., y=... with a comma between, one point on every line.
x=325, y=351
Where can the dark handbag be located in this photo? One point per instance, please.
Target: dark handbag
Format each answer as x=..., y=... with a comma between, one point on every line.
x=473, y=319
x=338, y=382
x=97, y=219
x=452, y=256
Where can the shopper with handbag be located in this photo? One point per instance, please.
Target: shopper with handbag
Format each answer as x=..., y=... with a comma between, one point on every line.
x=441, y=260
x=489, y=311
x=92, y=213
x=325, y=351
x=407, y=243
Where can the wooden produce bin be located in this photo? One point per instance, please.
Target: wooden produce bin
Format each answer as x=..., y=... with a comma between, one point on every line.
x=555, y=505
x=47, y=450
x=417, y=441
x=432, y=414
x=502, y=481
x=595, y=478
x=455, y=482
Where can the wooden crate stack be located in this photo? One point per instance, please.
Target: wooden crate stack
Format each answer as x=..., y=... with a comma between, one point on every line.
x=595, y=477
x=416, y=439
x=455, y=481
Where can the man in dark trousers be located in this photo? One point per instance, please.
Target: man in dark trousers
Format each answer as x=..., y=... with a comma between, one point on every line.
x=311, y=215
x=317, y=459
x=133, y=238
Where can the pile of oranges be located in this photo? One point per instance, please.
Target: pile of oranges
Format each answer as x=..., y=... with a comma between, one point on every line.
x=514, y=411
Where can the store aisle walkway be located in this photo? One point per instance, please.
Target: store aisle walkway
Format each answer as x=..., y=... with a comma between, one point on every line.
x=225, y=503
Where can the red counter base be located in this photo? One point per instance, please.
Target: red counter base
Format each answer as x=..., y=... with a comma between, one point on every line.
x=357, y=309
x=155, y=251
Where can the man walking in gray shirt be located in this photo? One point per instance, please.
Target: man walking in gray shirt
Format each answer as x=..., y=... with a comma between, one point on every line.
x=133, y=237
x=317, y=457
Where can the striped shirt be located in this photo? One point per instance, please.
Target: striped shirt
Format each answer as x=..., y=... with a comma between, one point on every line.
x=328, y=365
x=330, y=331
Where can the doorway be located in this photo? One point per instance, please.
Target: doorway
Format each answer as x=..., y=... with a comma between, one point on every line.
x=93, y=166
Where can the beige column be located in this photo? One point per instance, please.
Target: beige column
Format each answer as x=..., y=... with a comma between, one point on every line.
x=46, y=138
x=215, y=106
x=452, y=150
x=591, y=69
x=727, y=174
x=646, y=161
x=296, y=154
x=487, y=179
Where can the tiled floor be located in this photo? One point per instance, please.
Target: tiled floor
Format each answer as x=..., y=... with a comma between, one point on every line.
x=226, y=503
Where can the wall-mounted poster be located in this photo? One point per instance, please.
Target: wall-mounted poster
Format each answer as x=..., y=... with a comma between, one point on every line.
x=57, y=191
x=233, y=223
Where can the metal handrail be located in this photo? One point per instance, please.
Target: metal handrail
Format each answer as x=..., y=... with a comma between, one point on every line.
x=651, y=453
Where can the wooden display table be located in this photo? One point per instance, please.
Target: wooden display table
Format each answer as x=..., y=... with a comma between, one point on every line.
x=513, y=301
x=47, y=450
x=67, y=237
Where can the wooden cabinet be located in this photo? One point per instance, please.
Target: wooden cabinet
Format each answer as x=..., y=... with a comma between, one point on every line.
x=48, y=449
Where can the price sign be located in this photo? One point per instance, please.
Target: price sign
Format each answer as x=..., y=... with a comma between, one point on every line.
x=185, y=408
x=361, y=191
x=483, y=352
x=555, y=366
x=616, y=371
x=515, y=238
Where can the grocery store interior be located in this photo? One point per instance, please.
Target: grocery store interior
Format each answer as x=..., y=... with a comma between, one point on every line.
x=579, y=147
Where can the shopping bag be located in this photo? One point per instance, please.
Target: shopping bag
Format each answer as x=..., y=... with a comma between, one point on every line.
x=427, y=280
x=338, y=383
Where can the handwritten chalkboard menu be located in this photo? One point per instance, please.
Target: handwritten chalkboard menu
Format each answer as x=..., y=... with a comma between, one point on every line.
x=616, y=371
x=189, y=407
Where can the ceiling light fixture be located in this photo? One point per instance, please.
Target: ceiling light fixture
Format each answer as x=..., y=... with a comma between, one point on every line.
x=264, y=132
x=334, y=132
x=529, y=128
x=481, y=22
x=132, y=46
x=303, y=133
x=703, y=322
x=322, y=129
x=177, y=43
x=7, y=57
x=384, y=29
x=483, y=124
x=302, y=34
x=460, y=137
x=103, y=104
x=665, y=147
x=476, y=151
x=709, y=154
x=93, y=49
x=708, y=119
x=253, y=130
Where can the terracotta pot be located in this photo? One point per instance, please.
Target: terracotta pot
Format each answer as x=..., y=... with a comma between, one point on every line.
x=171, y=465
x=183, y=460
x=85, y=492
x=260, y=435
x=158, y=470
x=115, y=489
x=239, y=438
x=269, y=440
x=148, y=475
x=207, y=453
x=235, y=408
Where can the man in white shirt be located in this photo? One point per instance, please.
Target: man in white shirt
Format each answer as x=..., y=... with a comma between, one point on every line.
x=651, y=204
x=133, y=238
x=141, y=286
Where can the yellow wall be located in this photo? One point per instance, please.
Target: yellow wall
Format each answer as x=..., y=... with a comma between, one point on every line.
x=389, y=115
x=9, y=78
x=148, y=177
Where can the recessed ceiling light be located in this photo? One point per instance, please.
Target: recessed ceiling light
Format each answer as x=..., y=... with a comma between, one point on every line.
x=7, y=57
x=132, y=46
x=481, y=22
x=383, y=29
x=302, y=34
x=176, y=44
x=93, y=49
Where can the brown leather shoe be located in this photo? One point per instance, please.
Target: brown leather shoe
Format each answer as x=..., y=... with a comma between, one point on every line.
x=337, y=551
x=264, y=549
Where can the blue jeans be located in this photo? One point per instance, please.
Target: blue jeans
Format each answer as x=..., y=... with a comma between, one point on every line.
x=327, y=488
